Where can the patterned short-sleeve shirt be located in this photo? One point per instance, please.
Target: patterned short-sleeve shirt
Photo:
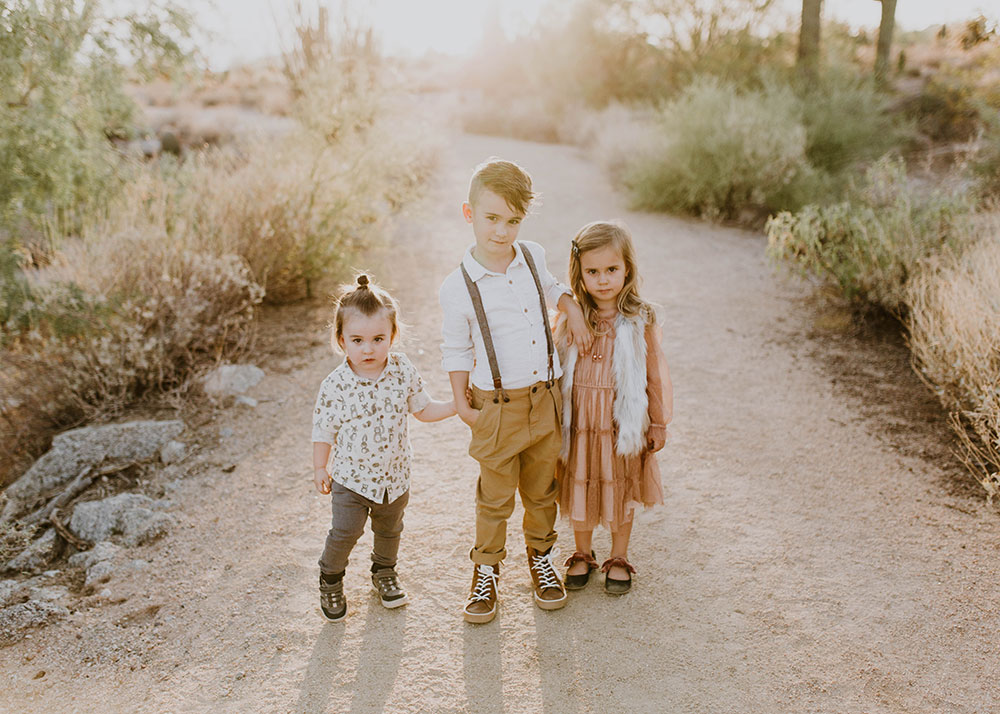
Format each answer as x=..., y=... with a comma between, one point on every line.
x=365, y=421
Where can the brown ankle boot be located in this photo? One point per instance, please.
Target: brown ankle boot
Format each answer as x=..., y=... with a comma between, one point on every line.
x=549, y=591
x=482, y=604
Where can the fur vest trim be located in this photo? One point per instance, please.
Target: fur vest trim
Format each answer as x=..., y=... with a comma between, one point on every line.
x=631, y=405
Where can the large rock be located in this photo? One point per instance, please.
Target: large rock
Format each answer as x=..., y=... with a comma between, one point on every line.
x=36, y=556
x=231, y=379
x=17, y=620
x=95, y=446
x=103, y=550
x=8, y=591
x=134, y=516
x=172, y=452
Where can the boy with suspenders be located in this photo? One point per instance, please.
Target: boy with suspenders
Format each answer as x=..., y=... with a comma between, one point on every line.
x=495, y=327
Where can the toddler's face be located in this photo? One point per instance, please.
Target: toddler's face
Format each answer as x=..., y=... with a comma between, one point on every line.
x=603, y=275
x=366, y=340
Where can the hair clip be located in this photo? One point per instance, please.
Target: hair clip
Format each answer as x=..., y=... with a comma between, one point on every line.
x=575, y=248
x=363, y=281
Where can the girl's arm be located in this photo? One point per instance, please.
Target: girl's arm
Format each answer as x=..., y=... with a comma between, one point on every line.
x=436, y=411
x=321, y=477
x=659, y=390
x=576, y=325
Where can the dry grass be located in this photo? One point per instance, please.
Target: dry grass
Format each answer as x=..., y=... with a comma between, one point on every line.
x=954, y=328
x=169, y=279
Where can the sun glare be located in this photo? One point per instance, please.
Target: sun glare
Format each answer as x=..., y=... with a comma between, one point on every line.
x=241, y=31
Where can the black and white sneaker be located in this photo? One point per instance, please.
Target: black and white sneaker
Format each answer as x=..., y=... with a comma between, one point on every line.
x=332, y=601
x=389, y=590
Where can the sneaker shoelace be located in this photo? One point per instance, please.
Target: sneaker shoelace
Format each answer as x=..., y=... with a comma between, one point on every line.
x=486, y=577
x=547, y=578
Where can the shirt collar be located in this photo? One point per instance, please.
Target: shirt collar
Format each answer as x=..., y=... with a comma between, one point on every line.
x=476, y=270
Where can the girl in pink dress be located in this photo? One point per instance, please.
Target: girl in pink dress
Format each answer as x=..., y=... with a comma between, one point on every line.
x=617, y=402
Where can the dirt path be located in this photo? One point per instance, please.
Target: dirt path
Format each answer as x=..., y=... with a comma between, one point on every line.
x=810, y=558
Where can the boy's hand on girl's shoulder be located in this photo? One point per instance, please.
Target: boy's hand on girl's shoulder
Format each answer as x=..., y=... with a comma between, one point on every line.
x=576, y=327
x=322, y=480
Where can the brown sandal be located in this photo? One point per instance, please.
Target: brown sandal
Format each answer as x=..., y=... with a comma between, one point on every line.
x=617, y=587
x=576, y=582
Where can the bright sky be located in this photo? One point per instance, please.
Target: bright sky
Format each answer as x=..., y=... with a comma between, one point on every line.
x=247, y=29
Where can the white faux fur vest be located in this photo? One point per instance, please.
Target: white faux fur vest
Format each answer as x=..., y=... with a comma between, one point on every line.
x=631, y=406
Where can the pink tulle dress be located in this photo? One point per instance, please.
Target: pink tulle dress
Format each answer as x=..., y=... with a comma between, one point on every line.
x=596, y=484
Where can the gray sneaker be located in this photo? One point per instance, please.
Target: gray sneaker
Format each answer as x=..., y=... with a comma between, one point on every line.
x=332, y=601
x=389, y=590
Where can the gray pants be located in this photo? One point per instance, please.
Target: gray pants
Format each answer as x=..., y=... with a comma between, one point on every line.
x=350, y=511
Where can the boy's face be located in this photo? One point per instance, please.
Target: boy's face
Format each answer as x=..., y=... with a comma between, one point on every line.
x=494, y=223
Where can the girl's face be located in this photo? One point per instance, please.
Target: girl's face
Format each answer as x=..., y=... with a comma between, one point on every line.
x=604, y=275
x=366, y=340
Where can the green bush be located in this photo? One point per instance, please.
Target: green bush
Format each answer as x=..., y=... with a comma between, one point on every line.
x=62, y=74
x=722, y=150
x=873, y=243
x=847, y=122
x=986, y=160
x=169, y=277
x=946, y=109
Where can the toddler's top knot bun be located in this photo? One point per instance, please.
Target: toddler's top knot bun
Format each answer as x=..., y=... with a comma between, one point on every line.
x=363, y=280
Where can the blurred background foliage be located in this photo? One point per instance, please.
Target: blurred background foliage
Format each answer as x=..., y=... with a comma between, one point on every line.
x=133, y=258
x=871, y=158
x=142, y=225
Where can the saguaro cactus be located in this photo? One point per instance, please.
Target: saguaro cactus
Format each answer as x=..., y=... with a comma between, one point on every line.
x=885, y=29
x=808, y=58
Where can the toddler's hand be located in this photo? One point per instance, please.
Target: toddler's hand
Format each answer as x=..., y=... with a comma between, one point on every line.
x=470, y=416
x=322, y=480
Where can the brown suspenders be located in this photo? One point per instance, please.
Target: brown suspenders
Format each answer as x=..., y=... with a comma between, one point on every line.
x=484, y=327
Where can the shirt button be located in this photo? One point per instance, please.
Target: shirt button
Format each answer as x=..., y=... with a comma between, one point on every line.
x=510, y=282
x=532, y=342
x=535, y=372
x=525, y=309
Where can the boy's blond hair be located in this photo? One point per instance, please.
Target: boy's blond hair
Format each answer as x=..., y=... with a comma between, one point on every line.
x=504, y=178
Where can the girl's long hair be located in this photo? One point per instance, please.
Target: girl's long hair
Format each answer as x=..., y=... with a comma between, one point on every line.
x=598, y=235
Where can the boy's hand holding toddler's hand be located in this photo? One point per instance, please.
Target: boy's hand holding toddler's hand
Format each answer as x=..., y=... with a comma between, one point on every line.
x=468, y=414
x=322, y=480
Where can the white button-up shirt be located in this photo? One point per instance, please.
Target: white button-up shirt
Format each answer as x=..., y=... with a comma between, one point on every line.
x=365, y=421
x=510, y=300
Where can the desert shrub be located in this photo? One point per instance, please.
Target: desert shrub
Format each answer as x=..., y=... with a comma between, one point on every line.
x=873, y=243
x=169, y=277
x=954, y=328
x=613, y=136
x=531, y=118
x=62, y=72
x=847, y=121
x=946, y=109
x=986, y=159
x=721, y=150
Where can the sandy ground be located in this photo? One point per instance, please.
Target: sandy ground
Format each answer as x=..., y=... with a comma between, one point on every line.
x=816, y=553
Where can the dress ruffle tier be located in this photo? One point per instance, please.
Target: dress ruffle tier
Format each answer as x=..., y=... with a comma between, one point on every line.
x=597, y=485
